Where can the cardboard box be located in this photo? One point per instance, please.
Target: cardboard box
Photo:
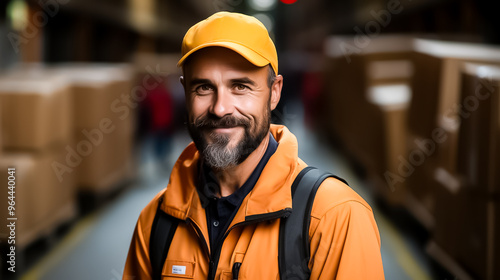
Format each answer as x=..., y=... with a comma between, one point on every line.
x=367, y=98
x=467, y=219
x=100, y=91
x=436, y=98
x=478, y=148
x=436, y=90
x=423, y=108
x=27, y=207
x=104, y=113
x=102, y=155
x=42, y=201
x=35, y=111
x=392, y=101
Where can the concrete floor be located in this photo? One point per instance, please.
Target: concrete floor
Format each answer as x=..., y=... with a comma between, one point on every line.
x=96, y=246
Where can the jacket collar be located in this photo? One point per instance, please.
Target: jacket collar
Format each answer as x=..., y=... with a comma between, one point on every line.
x=270, y=194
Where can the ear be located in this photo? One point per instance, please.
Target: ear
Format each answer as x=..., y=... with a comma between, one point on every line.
x=276, y=91
x=181, y=79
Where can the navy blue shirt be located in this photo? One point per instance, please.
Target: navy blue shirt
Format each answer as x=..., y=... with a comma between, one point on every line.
x=221, y=211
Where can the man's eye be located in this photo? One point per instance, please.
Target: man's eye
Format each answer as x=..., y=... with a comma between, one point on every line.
x=240, y=87
x=204, y=89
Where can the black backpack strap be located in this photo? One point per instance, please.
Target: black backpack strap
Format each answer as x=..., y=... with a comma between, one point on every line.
x=162, y=233
x=294, y=251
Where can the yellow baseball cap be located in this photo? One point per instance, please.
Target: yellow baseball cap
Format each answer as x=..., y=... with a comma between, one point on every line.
x=243, y=34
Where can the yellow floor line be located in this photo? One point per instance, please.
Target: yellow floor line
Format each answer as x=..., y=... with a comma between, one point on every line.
x=55, y=256
x=401, y=251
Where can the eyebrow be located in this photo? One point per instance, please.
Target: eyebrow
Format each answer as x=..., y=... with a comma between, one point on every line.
x=244, y=80
x=199, y=82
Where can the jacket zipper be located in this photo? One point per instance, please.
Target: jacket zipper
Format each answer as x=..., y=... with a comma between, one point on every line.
x=198, y=230
x=214, y=258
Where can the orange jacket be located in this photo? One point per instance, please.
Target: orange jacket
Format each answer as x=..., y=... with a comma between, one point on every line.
x=345, y=242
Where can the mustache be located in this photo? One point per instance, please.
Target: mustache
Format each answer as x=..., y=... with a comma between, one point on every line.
x=211, y=121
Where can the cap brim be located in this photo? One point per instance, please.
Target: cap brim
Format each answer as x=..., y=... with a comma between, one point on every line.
x=250, y=55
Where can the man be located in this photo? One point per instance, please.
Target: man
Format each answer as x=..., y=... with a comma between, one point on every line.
x=230, y=187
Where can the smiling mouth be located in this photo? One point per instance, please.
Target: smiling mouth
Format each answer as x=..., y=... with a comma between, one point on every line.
x=223, y=128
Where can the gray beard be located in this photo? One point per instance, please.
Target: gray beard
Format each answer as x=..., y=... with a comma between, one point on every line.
x=219, y=156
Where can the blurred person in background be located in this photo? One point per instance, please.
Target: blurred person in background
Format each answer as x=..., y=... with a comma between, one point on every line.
x=156, y=115
x=231, y=187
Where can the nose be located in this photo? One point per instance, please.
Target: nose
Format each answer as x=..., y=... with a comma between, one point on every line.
x=222, y=104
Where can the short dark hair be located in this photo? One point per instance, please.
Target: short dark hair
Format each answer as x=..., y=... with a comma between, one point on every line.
x=271, y=77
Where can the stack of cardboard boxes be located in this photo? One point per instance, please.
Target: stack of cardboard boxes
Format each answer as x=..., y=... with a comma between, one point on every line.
x=367, y=103
x=103, y=105
x=417, y=110
x=66, y=129
x=435, y=114
x=467, y=224
x=35, y=127
x=448, y=185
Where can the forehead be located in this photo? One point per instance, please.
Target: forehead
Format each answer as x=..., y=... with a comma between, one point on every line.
x=219, y=58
